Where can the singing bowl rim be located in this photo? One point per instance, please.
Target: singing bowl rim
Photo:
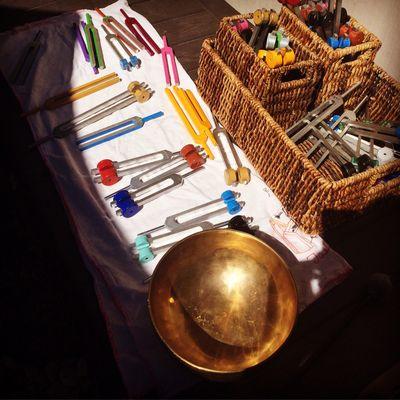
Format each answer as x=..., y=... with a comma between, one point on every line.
x=210, y=370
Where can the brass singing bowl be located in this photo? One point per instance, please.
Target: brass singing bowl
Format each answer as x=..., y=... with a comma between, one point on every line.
x=222, y=301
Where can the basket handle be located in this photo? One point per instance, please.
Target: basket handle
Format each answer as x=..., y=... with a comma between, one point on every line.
x=306, y=73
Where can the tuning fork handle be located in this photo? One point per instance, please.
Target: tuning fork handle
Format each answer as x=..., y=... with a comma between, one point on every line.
x=130, y=22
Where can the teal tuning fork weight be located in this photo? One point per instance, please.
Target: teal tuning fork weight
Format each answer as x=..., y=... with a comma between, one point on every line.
x=93, y=44
x=196, y=218
x=145, y=250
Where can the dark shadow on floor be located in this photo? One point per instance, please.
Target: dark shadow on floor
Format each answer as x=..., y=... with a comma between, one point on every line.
x=53, y=337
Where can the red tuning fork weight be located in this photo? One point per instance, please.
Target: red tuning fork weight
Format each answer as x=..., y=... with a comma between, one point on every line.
x=356, y=37
x=193, y=158
x=107, y=172
x=294, y=5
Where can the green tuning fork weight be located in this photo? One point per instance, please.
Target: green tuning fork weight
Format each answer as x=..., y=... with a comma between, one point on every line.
x=93, y=44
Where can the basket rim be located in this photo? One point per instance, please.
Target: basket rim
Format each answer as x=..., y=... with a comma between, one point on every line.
x=313, y=58
x=336, y=54
x=324, y=182
x=385, y=76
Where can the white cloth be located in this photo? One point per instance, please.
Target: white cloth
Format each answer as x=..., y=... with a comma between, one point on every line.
x=144, y=362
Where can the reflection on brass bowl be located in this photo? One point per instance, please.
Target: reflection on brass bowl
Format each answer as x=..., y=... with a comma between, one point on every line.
x=222, y=301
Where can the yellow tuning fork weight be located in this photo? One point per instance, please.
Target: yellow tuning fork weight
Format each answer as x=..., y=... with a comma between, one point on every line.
x=273, y=58
x=288, y=56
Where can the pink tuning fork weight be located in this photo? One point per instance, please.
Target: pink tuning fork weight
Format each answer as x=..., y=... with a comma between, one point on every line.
x=165, y=51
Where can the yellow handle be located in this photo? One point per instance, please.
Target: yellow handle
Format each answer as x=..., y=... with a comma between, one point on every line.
x=198, y=108
x=199, y=138
x=202, y=116
x=79, y=92
x=180, y=112
x=202, y=135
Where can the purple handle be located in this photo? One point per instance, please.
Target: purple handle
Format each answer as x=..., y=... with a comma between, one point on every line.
x=83, y=45
x=81, y=42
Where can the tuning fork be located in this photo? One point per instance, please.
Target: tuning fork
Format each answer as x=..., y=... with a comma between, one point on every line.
x=144, y=249
x=93, y=44
x=232, y=176
x=123, y=62
x=188, y=157
x=109, y=172
x=319, y=114
x=26, y=61
x=165, y=52
x=82, y=44
x=347, y=114
x=121, y=32
x=130, y=22
x=114, y=131
x=197, y=116
x=130, y=203
x=77, y=93
x=137, y=92
x=194, y=217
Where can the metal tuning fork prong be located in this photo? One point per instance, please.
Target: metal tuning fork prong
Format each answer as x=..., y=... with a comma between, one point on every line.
x=165, y=52
x=125, y=65
x=114, y=131
x=232, y=176
x=137, y=92
x=121, y=32
x=26, y=61
x=319, y=114
x=131, y=22
x=346, y=115
x=188, y=157
x=143, y=245
x=129, y=204
x=109, y=172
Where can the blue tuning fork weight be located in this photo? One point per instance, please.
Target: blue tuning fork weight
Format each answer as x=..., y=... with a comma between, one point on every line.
x=130, y=203
x=127, y=206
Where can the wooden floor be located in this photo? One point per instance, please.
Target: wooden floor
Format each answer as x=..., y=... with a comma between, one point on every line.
x=48, y=309
x=187, y=23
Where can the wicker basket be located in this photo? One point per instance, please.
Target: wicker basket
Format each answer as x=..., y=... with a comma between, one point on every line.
x=314, y=201
x=385, y=96
x=339, y=74
x=286, y=100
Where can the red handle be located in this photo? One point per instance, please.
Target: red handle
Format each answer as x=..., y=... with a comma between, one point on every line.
x=133, y=21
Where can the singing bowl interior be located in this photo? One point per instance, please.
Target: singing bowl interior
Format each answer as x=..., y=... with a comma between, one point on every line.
x=222, y=301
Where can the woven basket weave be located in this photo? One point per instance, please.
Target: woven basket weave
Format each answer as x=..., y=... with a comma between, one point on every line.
x=339, y=74
x=286, y=101
x=385, y=96
x=314, y=201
